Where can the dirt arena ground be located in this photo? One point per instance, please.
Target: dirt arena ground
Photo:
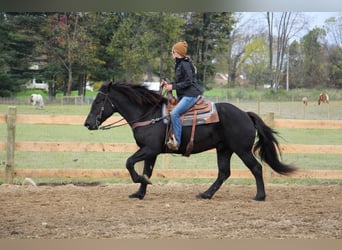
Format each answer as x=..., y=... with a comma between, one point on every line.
x=170, y=211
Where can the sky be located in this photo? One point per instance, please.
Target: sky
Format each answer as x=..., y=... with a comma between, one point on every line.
x=318, y=18
x=314, y=19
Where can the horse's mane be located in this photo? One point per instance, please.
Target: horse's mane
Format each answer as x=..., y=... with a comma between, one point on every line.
x=139, y=94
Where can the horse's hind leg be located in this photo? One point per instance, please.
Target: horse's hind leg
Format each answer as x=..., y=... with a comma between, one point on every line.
x=256, y=169
x=223, y=161
x=148, y=168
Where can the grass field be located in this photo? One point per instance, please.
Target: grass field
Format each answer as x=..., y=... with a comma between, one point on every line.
x=93, y=160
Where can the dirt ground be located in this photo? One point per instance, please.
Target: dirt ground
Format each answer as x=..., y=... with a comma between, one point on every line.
x=170, y=211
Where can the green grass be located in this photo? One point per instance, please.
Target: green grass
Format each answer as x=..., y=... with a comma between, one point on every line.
x=249, y=93
x=28, y=132
x=310, y=136
x=24, y=94
x=55, y=109
x=242, y=92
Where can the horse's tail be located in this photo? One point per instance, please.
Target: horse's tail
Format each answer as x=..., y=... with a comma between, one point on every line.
x=267, y=146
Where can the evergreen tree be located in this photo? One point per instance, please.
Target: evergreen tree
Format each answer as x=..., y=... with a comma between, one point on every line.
x=205, y=32
x=18, y=38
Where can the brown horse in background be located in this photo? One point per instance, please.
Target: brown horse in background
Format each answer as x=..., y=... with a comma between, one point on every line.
x=323, y=98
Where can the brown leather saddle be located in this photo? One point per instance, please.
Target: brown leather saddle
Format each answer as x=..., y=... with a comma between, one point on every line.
x=203, y=112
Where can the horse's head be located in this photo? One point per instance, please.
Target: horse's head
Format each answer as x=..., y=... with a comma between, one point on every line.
x=101, y=109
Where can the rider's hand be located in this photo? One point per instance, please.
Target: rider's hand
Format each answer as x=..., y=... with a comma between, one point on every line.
x=163, y=83
x=168, y=87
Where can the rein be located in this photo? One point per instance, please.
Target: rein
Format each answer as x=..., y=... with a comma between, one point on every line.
x=113, y=125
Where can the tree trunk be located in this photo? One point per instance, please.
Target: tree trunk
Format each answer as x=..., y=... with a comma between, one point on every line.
x=270, y=45
x=69, y=79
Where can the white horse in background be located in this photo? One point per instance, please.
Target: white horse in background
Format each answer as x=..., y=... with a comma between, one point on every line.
x=37, y=99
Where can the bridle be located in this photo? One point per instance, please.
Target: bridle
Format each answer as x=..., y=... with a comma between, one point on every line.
x=134, y=123
x=98, y=117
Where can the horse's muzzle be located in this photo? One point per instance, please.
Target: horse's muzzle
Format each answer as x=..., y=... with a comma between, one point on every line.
x=90, y=126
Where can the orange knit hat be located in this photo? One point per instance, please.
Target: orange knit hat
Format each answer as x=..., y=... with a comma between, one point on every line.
x=181, y=48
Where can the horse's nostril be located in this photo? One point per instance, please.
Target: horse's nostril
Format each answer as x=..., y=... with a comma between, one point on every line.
x=87, y=125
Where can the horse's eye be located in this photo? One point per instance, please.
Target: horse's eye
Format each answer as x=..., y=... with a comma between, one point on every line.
x=97, y=101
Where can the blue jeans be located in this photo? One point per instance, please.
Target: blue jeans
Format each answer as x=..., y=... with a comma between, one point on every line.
x=184, y=104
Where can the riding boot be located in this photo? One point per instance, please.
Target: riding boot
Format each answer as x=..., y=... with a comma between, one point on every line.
x=172, y=143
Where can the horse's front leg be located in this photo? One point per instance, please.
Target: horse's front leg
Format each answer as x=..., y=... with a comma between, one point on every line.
x=140, y=155
x=148, y=169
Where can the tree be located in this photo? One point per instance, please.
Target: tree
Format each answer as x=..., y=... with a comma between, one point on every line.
x=296, y=65
x=315, y=59
x=142, y=44
x=333, y=27
x=335, y=66
x=256, y=60
x=236, y=48
x=69, y=42
x=269, y=16
x=18, y=37
x=125, y=45
x=206, y=32
x=101, y=27
x=286, y=25
x=167, y=29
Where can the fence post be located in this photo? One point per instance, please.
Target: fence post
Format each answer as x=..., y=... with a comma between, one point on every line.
x=166, y=161
x=267, y=172
x=304, y=111
x=10, y=145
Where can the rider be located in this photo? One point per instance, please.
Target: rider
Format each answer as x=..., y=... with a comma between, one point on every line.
x=187, y=89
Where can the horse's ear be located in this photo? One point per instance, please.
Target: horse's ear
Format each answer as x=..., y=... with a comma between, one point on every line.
x=107, y=84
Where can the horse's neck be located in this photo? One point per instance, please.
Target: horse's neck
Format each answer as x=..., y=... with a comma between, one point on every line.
x=134, y=113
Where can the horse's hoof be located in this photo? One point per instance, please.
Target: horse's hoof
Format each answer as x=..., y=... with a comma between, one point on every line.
x=259, y=198
x=146, y=179
x=136, y=195
x=203, y=196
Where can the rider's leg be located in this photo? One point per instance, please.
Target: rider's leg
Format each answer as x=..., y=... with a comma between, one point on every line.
x=184, y=104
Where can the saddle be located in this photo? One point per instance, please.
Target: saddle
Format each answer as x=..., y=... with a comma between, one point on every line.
x=202, y=112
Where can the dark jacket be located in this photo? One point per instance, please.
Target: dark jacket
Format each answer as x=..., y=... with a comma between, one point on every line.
x=185, y=82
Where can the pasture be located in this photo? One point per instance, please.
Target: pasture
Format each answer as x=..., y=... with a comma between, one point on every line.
x=292, y=210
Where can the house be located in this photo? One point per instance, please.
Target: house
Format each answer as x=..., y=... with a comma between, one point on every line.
x=34, y=84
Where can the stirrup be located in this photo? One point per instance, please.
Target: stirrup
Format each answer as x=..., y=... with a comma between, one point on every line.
x=172, y=143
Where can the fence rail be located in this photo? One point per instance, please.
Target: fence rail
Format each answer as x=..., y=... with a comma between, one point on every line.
x=10, y=146
x=35, y=146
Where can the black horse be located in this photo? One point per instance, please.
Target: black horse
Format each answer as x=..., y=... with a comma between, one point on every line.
x=234, y=133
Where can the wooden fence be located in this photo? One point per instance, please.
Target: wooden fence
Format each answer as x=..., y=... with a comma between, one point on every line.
x=11, y=146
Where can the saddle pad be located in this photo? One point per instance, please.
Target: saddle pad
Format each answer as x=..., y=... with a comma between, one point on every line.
x=207, y=117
